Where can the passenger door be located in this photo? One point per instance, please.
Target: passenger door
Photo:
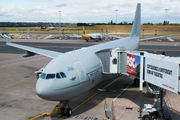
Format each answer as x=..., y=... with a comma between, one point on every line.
x=80, y=69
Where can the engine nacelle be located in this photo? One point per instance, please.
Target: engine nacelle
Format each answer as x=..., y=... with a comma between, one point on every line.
x=38, y=73
x=152, y=88
x=28, y=54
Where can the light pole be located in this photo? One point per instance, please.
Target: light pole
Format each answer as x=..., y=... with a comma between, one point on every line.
x=59, y=23
x=166, y=22
x=6, y=28
x=116, y=22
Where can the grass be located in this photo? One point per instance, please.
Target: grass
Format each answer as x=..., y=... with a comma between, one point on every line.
x=87, y=28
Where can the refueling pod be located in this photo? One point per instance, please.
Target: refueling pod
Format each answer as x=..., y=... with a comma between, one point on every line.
x=38, y=73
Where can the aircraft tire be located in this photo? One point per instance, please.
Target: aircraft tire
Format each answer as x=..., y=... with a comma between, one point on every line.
x=86, y=40
x=69, y=112
x=62, y=112
x=96, y=40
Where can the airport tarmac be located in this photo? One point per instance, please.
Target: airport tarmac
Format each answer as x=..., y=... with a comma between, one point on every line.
x=18, y=100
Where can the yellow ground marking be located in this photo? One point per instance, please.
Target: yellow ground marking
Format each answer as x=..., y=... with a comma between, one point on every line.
x=91, y=97
x=17, y=86
x=82, y=103
x=85, y=101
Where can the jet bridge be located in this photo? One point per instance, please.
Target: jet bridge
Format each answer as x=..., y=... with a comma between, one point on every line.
x=160, y=70
x=160, y=73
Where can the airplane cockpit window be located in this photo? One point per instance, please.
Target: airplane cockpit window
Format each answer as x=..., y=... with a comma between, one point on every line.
x=50, y=76
x=43, y=75
x=58, y=76
x=63, y=75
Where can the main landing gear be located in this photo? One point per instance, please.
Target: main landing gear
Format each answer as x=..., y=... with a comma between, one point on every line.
x=65, y=110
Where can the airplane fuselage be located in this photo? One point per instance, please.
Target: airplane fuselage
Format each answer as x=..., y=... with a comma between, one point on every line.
x=82, y=68
x=92, y=36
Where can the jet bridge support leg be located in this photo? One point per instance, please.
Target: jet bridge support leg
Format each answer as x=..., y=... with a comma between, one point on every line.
x=163, y=102
x=165, y=105
x=141, y=83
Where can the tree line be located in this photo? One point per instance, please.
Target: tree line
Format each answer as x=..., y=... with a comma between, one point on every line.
x=164, y=23
x=109, y=23
x=51, y=24
x=34, y=24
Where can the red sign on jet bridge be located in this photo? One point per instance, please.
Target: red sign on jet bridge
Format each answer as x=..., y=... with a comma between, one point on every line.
x=130, y=65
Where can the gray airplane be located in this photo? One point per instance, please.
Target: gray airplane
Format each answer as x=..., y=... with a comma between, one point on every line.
x=71, y=74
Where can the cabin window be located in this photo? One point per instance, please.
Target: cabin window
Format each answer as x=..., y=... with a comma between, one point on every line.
x=50, y=76
x=43, y=75
x=58, y=76
x=63, y=75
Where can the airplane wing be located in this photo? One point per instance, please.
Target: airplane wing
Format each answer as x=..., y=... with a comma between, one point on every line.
x=47, y=53
x=153, y=38
x=114, y=36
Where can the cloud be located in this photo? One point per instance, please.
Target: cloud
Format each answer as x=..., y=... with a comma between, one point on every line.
x=61, y=5
x=74, y=11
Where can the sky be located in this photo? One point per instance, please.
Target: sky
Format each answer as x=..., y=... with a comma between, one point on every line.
x=93, y=11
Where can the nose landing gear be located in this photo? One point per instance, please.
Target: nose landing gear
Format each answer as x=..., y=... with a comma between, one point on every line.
x=65, y=110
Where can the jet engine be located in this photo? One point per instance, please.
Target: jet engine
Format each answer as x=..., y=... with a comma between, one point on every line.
x=38, y=73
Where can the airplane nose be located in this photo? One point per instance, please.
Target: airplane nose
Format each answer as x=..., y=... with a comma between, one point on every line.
x=43, y=89
x=39, y=91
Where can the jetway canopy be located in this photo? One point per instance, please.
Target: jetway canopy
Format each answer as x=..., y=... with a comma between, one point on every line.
x=162, y=71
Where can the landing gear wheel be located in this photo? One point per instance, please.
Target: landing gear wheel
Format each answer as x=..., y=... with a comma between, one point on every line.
x=62, y=112
x=147, y=117
x=96, y=40
x=86, y=40
x=154, y=115
x=69, y=112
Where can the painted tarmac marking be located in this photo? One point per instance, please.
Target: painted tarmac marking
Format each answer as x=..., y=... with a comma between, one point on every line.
x=91, y=97
x=82, y=103
x=22, y=62
x=123, y=91
x=17, y=86
x=176, y=43
x=88, y=118
x=14, y=60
